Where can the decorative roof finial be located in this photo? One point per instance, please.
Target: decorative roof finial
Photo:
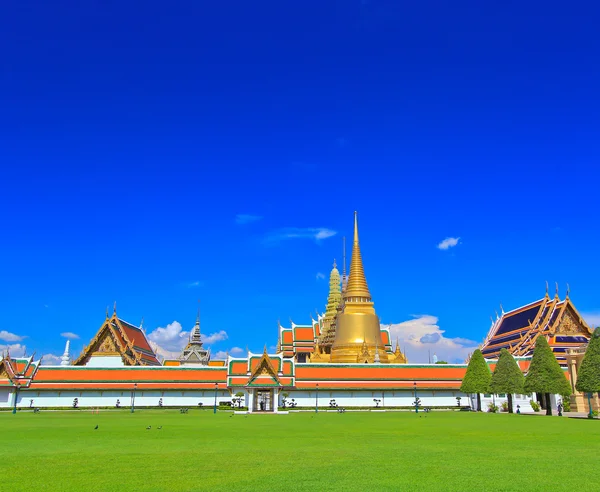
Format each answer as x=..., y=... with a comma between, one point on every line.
x=501, y=308
x=556, y=295
x=357, y=283
x=106, y=312
x=546, y=288
x=497, y=317
x=142, y=325
x=115, y=309
x=568, y=291
x=198, y=315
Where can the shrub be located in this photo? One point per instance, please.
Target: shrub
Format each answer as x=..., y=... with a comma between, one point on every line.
x=504, y=406
x=492, y=408
x=566, y=401
x=534, y=405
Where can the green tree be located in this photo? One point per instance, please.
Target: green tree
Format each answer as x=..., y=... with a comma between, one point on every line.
x=545, y=374
x=588, y=376
x=477, y=378
x=507, y=377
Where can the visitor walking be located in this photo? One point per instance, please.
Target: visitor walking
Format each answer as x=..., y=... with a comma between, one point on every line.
x=560, y=408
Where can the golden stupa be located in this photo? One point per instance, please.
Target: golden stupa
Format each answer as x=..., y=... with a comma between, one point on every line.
x=358, y=333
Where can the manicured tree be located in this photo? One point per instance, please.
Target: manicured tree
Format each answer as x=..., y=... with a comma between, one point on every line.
x=545, y=374
x=477, y=378
x=507, y=377
x=588, y=376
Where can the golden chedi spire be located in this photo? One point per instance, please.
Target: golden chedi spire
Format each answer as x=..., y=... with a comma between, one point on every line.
x=357, y=283
x=357, y=325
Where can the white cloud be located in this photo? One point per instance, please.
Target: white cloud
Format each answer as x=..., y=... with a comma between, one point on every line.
x=195, y=283
x=69, y=335
x=170, y=339
x=448, y=243
x=51, y=360
x=215, y=337
x=315, y=233
x=320, y=276
x=592, y=318
x=221, y=354
x=15, y=349
x=10, y=337
x=242, y=219
x=422, y=335
x=236, y=350
x=168, y=342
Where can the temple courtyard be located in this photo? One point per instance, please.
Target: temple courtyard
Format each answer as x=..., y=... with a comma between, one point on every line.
x=199, y=450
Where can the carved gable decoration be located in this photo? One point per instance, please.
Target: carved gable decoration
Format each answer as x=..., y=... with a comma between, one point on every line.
x=4, y=374
x=571, y=324
x=106, y=344
x=264, y=374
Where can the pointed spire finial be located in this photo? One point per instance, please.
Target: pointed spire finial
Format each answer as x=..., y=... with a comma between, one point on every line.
x=556, y=295
x=497, y=317
x=198, y=315
x=265, y=350
x=546, y=288
x=501, y=308
x=115, y=309
x=568, y=291
x=106, y=312
x=357, y=283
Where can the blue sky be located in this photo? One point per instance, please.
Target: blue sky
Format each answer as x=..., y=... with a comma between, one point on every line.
x=157, y=154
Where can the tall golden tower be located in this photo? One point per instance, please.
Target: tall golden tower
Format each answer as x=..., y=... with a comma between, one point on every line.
x=358, y=334
x=333, y=301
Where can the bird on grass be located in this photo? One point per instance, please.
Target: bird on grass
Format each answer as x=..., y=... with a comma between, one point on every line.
x=96, y=427
x=149, y=427
x=159, y=427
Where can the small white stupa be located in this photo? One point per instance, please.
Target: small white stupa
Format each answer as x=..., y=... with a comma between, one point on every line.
x=65, y=360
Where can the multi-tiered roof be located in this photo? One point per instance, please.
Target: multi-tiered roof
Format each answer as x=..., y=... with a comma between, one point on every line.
x=517, y=330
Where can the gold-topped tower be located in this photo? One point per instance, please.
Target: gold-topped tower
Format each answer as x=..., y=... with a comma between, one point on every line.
x=358, y=333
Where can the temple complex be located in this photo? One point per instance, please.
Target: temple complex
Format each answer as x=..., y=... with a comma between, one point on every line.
x=344, y=357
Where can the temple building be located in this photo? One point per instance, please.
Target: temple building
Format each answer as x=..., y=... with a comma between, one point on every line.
x=343, y=358
x=517, y=330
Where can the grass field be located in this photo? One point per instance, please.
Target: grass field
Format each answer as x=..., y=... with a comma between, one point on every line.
x=305, y=451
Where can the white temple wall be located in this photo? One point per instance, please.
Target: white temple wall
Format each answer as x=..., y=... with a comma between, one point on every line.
x=90, y=399
x=191, y=398
x=400, y=398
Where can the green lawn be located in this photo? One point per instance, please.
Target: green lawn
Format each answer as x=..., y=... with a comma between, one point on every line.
x=307, y=451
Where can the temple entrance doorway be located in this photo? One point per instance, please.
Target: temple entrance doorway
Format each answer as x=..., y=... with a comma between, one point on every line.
x=263, y=400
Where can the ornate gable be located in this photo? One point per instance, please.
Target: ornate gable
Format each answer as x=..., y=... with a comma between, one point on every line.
x=571, y=323
x=108, y=341
x=5, y=371
x=264, y=374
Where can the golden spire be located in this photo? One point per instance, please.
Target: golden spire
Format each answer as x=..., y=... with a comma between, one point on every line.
x=357, y=283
